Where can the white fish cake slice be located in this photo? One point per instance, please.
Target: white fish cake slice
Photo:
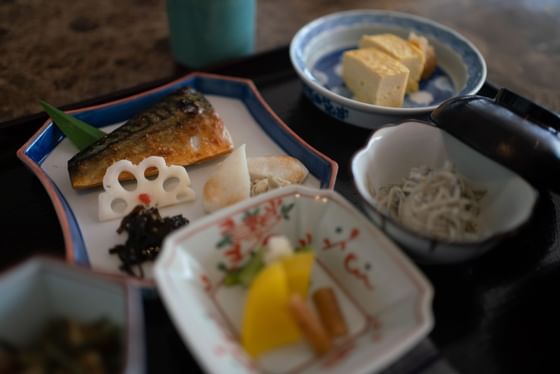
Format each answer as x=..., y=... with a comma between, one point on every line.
x=283, y=167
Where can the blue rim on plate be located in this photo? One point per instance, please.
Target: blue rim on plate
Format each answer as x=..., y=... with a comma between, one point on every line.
x=307, y=62
x=34, y=152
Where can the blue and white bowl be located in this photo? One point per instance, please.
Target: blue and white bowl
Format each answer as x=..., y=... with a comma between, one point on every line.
x=317, y=48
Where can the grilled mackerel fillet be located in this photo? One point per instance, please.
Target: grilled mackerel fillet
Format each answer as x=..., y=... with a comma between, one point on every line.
x=183, y=128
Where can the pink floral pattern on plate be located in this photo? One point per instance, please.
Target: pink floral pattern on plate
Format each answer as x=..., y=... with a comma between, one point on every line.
x=384, y=298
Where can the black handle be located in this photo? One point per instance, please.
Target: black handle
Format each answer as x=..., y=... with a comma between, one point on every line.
x=528, y=110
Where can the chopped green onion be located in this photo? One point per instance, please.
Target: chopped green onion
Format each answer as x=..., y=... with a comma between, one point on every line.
x=252, y=268
x=305, y=248
x=246, y=273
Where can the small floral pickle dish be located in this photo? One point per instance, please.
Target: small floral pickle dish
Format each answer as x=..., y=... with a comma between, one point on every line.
x=384, y=299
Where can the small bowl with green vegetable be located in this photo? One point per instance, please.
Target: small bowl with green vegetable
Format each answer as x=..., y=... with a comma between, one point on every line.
x=63, y=318
x=293, y=279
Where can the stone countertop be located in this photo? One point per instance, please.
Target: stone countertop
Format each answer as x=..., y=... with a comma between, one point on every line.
x=67, y=51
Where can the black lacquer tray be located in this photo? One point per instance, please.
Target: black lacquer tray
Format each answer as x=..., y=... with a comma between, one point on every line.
x=497, y=314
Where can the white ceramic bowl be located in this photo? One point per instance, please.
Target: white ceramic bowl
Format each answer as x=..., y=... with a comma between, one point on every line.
x=42, y=288
x=390, y=154
x=316, y=51
x=385, y=299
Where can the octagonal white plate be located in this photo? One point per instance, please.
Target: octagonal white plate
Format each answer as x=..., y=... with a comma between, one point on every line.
x=244, y=112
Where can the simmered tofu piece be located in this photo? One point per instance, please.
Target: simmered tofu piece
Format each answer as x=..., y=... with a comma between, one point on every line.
x=374, y=77
x=404, y=51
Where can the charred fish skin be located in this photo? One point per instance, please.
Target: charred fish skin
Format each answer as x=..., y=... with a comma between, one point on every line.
x=186, y=100
x=183, y=128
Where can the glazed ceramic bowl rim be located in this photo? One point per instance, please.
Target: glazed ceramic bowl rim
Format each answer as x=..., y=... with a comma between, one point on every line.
x=366, y=197
x=365, y=107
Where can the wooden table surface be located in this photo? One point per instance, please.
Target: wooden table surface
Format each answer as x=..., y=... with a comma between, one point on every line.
x=67, y=51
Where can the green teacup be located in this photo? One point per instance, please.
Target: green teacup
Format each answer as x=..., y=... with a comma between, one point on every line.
x=206, y=32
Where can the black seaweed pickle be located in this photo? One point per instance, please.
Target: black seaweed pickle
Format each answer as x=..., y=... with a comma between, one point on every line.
x=146, y=230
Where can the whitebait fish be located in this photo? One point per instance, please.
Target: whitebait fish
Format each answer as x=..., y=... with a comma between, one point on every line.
x=436, y=202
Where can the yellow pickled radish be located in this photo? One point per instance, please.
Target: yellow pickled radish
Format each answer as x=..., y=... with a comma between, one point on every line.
x=267, y=323
x=298, y=269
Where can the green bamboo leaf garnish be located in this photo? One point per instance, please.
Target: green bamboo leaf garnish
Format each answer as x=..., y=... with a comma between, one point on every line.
x=79, y=132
